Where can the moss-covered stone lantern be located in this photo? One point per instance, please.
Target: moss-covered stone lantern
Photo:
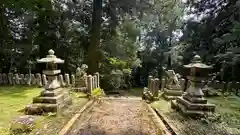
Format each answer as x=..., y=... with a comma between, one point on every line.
x=192, y=102
x=53, y=98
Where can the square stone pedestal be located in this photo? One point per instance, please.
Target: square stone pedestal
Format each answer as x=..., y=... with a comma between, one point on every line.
x=192, y=106
x=49, y=101
x=171, y=92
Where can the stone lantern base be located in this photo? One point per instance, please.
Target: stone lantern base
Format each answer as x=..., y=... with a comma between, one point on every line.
x=193, y=106
x=49, y=101
x=172, y=92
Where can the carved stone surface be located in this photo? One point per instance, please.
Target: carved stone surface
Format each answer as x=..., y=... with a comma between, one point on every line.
x=173, y=87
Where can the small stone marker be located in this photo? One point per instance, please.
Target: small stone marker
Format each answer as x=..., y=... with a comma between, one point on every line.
x=33, y=79
x=73, y=80
x=61, y=80
x=10, y=78
x=67, y=79
x=5, y=79
x=28, y=79
x=22, y=81
x=89, y=82
x=44, y=79
x=17, y=80
x=39, y=79
x=163, y=84
x=98, y=79
x=156, y=90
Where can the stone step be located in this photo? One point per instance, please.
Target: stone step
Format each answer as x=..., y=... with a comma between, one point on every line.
x=51, y=93
x=195, y=99
x=38, y=109
x=166, y=97
x=50, y=100
x=190, y=112
x=173, y=92
x=194, y=106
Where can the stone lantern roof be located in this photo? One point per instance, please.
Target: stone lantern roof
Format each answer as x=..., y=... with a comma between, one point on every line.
x=196, y=63
x=51, y=58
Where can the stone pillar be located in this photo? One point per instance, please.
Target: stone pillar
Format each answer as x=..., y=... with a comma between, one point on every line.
x=149, y=82
x=95, y=81
x=62, y=83
x=89, y=84
x=10, y=78
x=44, y=80
x=163, y=84
x=156, y=91
x=151, y=85
x=182, y=82
x=73, y=80
x=67, y=79
x=98, y=79
x=39, y=80
x=17, y=80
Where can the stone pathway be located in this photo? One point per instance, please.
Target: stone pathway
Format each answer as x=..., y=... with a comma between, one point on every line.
x=116, y=117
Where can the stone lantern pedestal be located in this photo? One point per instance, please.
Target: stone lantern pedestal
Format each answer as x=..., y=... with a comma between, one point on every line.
x=192, y=102
x=53, y=98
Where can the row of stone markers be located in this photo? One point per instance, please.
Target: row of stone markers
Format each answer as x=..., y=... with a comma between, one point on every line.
x=152, y=91
x=93, y=82
x=34, y=79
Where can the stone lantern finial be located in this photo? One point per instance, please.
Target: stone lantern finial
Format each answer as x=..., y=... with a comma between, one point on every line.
x=51, y=52
x=196, y=59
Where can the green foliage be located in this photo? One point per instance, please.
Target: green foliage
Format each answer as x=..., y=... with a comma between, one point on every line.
x=97, y=94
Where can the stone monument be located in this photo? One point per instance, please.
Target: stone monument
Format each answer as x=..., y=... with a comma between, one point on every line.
x=53, y=98
x=192, y=102
x=81, y=77
x=173, y=87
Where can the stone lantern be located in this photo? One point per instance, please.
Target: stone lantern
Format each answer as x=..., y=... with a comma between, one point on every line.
x=192, y=102
x=51, y=71
x=53, y=98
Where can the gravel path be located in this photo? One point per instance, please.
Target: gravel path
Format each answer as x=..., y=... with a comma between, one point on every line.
x=117, y=117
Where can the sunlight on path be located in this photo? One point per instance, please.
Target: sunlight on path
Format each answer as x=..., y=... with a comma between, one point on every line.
x=117, y=117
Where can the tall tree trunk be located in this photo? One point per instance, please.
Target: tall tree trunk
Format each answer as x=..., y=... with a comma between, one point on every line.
x=93, y=52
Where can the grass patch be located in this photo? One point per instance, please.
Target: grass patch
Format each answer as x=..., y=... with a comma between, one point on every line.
x=227, y=107
x=15, y=98
x=12, y=100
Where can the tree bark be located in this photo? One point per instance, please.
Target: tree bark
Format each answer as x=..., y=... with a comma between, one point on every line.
x=93, y=49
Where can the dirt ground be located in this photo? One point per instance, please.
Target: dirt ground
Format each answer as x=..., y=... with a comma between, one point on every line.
x=116, y=117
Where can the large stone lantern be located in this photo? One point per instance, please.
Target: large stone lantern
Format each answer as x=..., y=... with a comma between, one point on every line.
x=51, y=71
x=192, y=102
x=53, y=98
